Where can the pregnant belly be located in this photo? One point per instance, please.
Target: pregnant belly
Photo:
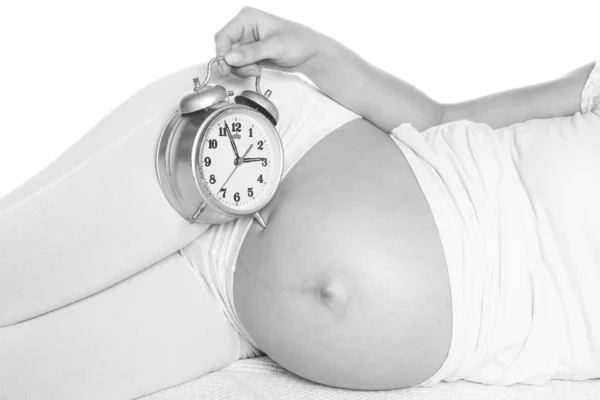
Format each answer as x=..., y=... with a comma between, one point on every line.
x=348, y=284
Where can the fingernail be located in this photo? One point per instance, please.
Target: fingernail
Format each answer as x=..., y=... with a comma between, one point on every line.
x=234, y=57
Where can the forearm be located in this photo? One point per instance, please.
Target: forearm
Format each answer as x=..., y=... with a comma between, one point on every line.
x=556, y=98
x=379, y=97
x=387, y=101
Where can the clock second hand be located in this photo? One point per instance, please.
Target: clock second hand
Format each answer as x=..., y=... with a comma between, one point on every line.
x=236, y=167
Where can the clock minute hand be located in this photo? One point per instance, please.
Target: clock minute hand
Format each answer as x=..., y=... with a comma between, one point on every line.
x=232, y=141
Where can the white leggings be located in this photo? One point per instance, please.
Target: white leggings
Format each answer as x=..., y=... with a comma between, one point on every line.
x=76, y=239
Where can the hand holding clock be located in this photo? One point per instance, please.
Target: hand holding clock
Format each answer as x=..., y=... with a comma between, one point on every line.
x=273, y=41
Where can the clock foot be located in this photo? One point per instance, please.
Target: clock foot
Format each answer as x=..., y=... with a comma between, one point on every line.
x=259, y=219
x=199, y=211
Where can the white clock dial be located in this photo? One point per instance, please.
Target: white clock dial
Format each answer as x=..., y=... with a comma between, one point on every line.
x=239, y=182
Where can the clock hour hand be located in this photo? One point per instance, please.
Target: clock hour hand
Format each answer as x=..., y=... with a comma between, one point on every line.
x=231, y=140
x=254, y=159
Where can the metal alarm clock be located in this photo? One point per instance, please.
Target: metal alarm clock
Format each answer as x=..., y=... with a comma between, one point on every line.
x=219, y=160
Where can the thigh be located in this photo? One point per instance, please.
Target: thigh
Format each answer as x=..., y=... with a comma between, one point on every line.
x=155, y=98
x=96, y=215
x=156, y=329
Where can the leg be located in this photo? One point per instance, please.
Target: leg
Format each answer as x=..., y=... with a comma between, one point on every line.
x=96, y=215
x=156, y=329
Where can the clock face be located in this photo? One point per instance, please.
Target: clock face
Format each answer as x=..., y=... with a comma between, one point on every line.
x=240, y=161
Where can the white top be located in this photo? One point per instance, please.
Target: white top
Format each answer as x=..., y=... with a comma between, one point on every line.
x=517, y=211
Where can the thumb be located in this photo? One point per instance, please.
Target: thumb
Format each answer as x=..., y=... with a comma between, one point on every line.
x=269, y=48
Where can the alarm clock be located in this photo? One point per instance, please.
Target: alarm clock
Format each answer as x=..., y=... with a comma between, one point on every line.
x=218, y=159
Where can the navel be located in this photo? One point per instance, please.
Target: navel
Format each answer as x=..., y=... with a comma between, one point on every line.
x=333, y=295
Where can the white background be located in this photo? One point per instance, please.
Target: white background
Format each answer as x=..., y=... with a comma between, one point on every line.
x=66, y=64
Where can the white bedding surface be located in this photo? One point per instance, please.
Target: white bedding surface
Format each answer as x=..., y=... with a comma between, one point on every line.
x=262, y=378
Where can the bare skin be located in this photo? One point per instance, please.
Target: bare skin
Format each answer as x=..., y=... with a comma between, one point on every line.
x=355, y=293
x=348, y=284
